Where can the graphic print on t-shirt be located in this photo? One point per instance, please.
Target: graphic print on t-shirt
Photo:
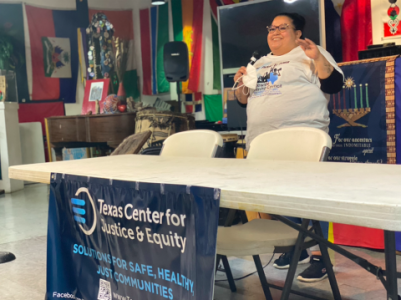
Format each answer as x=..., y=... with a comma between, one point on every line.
x=268, y=78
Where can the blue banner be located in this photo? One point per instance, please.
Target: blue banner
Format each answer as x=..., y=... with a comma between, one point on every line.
x=129, y=240
x=358, y=115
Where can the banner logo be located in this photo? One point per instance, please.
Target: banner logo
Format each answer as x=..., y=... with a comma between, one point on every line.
x=80, y=212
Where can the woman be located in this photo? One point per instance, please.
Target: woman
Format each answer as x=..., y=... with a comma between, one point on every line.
x=293, y=83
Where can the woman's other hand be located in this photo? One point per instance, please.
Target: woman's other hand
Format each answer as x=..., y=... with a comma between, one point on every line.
x=310, y=48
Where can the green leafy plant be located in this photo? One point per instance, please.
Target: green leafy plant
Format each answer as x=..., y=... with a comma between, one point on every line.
x=9, y=58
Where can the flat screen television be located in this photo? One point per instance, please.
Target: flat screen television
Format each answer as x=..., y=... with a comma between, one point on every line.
x=242, y=28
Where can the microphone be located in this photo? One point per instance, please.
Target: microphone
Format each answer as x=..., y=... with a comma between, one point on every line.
x=254, y=58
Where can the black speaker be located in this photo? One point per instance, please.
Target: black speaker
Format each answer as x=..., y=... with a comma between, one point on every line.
x=176, y=61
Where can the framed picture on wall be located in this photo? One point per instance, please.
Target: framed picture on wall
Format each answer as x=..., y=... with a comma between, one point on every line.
x=97, y=89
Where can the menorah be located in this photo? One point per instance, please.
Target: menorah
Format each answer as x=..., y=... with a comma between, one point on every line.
x=347, y=112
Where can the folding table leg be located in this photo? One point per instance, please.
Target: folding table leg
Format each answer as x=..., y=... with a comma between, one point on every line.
x=327, y=262
x=262, y=277
x=218, y=258
x=230, y=277
x=294, y=261
x=391, y=265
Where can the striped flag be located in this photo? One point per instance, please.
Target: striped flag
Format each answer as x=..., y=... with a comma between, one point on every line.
x=188, y=27
x=154, y=35
x=192, y=102
x=197, y=33
x=47, y=23
x=356, y=236
x=213, y=107
x=356, y=21
x=131, y=74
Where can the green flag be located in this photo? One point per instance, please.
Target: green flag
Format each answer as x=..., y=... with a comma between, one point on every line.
x=163, y=86
x=213, y=107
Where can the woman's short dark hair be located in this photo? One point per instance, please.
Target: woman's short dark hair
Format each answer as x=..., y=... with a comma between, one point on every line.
x=297, y=20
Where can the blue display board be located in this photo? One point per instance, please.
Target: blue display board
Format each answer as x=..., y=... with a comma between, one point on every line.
x=129, y=240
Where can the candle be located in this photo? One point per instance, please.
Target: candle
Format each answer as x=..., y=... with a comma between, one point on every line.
x=355, y=101
x=339, y=100
x=367, y=96
x=345, y=105
x=349, y=93
x=361, y=94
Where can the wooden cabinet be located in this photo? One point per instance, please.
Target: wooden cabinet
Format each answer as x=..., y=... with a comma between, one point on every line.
x=87, y=131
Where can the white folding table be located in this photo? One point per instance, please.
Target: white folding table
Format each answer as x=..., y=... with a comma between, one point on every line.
x=366, y=195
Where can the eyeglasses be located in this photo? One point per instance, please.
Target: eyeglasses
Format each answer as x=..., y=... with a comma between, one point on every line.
x=282, y=27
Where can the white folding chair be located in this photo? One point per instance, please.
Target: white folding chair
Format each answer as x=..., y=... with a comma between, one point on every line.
x=192, y=143
x=264, y=236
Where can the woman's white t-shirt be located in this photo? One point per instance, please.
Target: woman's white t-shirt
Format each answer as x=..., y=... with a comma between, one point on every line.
x=287, y=94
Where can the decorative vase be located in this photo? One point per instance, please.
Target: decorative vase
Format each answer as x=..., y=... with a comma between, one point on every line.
x=121, y=90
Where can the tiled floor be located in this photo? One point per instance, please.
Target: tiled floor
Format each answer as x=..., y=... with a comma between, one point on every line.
x=23, y=225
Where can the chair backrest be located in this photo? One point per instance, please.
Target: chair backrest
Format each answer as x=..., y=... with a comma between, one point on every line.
x=192, y=143
x=294, y=143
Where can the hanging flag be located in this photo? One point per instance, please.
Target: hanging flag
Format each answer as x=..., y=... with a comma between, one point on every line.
x=49, y=24
x=213, y=107
x=131, y=75
x=154, y=35
x=356, y=28
x=356, y=236
x=192, y=102
x=12, y=27
x=183, y=13
x=197, y=33
x=188, y=27
x=176, y=9
x=57, y=57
